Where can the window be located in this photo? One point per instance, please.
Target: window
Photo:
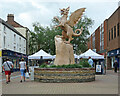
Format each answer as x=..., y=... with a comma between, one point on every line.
x=109, y=35
x=14, y=48
x=20, y=41
x=19, y=49
x=118, y=29
x=93, y=41
x=4, y=29
x=14, y=37
x=114, y=31
x=24, y=50
x=4, y=41
x=102, y=37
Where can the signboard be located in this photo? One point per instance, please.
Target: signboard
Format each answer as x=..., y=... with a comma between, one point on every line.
x=0, y=53
x=98, y=68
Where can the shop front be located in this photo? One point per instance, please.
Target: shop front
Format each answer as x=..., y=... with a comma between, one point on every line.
x=112, y=56
x=15, y=57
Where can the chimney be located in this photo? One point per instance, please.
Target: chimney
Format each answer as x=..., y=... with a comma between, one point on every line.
x=10, y=18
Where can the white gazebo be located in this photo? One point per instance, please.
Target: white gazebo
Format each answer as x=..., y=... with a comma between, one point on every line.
x=39, y=54
x=92, y=54
x=76, y=56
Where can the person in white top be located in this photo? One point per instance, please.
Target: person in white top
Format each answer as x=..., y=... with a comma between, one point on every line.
x=7, y=65
x=23, y=68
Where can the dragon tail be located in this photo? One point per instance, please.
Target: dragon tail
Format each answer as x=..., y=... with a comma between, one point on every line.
x=77, y=34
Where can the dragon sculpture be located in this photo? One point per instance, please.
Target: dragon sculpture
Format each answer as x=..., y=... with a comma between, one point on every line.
x=66, y=25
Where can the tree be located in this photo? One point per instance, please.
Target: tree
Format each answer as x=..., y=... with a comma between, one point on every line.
x=43, y=37
x=80, y=43
x=36, y=38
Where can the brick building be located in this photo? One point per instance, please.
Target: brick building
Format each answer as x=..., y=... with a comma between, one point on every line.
x=97, y=39
x=107, y=39
x=113, y=39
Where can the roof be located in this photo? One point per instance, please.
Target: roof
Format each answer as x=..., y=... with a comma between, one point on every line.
x=114, y=12
x=92, y=54
x=39, y=54
x=11, y=27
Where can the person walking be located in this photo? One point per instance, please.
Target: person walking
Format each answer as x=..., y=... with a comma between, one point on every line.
x=90, y=61
x=115, y=66
x=7, y=66
x=23, y=67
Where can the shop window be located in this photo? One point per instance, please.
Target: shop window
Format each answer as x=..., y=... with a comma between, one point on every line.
x=114, y=31
x=14, y=63
x=118, y=29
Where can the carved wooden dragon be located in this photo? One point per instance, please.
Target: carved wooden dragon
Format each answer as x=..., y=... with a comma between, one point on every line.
x=66, y=25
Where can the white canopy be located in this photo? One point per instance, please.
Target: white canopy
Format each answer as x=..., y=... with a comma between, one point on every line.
x=91, y=54
x=39, y=54
x=76, y=56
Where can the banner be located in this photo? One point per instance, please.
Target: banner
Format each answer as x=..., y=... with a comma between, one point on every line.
x=98, y=68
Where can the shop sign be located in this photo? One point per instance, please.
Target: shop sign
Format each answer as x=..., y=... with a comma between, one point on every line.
x=0, y=53
x=114, y=52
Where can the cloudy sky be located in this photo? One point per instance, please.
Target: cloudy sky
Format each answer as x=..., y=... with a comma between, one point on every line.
x=26, y=12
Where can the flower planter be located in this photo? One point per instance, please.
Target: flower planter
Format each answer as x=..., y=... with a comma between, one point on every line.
x=64, y=75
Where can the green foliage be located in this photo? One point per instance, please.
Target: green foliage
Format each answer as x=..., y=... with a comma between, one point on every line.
x=62, y=66
x=81, y=41
x=43, y=66
x=84, y=63
x=43, y=37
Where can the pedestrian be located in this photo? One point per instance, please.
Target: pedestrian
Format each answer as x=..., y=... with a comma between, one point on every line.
x=115, y=66
x=90, y=61
x=23, y=67
x=7, y=66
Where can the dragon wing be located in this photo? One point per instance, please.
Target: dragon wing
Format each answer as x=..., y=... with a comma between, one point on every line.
x=75, y=17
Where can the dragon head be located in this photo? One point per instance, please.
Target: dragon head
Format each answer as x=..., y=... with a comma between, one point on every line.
x=64, y=11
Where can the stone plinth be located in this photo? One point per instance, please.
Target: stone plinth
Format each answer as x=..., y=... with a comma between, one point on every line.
x=64, y=52
x=67, y=75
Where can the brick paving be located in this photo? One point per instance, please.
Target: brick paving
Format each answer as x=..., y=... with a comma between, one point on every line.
x=104, y=84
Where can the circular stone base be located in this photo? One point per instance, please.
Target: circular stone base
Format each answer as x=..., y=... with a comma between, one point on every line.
x=61, y=75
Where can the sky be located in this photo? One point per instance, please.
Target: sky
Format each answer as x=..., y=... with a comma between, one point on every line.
x=27, y=12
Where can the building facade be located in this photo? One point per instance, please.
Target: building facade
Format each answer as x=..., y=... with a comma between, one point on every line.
x=12, y=44
x=107, y=39
x=21, y=29
x=113, y=38
x=97, y=39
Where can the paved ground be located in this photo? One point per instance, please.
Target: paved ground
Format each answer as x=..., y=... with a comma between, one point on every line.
x=104, y=84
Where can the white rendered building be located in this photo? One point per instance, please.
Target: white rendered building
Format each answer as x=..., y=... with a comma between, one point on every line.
x=12, y=44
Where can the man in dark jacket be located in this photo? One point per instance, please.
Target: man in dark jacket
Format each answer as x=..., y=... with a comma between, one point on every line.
x=115, y=66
